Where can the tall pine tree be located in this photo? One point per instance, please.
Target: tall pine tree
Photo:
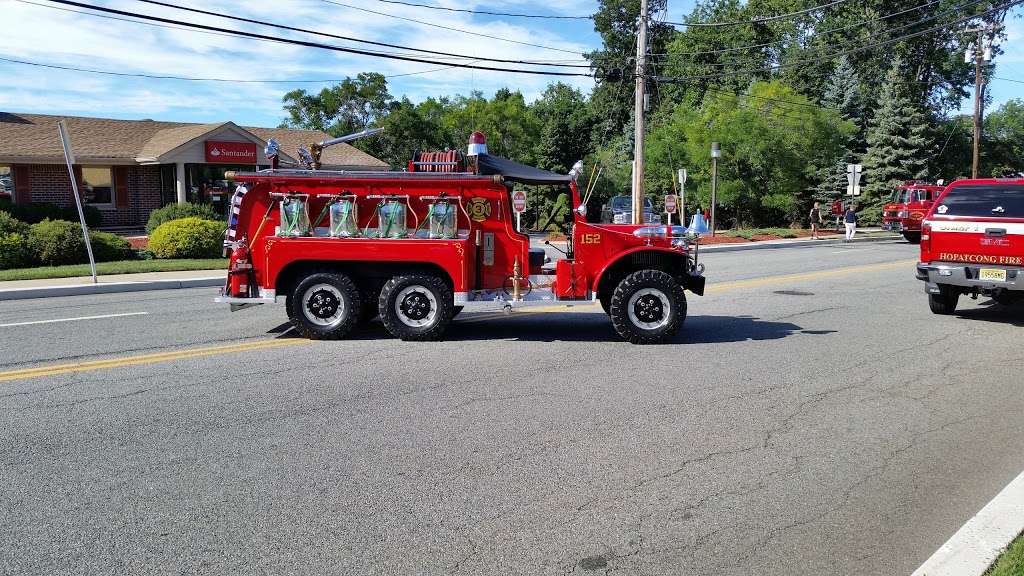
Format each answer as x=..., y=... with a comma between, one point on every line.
x=842, y=93
x=896, y=138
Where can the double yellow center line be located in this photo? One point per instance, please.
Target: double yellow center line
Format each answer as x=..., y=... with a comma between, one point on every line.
x=55, y=370
x=145, y=359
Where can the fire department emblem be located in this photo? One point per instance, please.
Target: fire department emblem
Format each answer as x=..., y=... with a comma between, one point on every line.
x=479, y=209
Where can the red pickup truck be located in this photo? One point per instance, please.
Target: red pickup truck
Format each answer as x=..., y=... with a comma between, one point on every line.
x=972, y=242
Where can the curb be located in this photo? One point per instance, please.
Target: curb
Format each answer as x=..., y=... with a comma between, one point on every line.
x=111, y=288
x=790, y=244
x=978, y=543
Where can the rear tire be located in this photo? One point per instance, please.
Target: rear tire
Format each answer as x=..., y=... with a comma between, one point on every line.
x=416, y=307
x=648, y=307
x=913, y=237
x=324, y=306
x=944, y=302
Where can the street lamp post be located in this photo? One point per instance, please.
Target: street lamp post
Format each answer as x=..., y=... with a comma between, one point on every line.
x=716, y=153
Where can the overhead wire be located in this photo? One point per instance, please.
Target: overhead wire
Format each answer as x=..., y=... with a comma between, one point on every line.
x=453, y=29
x=349, y=38
x=488, y=13
x=953, y=10
x=308, y=44
x=816, y=33
x=833, y=55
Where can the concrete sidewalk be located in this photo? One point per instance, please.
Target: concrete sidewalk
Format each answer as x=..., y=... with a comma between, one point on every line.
x=81, y=285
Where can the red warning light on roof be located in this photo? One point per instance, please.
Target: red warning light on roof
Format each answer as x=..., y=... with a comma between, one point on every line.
x=477, y=144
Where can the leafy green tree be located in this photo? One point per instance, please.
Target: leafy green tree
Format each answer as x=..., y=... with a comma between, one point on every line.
x=565, y=125
x=1003, y=142
x=898, y=147
x=342, y=109
x=843, y=94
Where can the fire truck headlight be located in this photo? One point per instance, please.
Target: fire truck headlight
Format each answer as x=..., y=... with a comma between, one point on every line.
x=903, y=214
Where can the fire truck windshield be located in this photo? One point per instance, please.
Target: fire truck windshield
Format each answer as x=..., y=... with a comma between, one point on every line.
x=991, y=200
x=904, y=196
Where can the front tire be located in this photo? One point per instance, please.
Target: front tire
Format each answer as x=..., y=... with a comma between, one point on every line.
x=912, y=237
x=416, y=307
x=324, y=306
x=648, y=307
x=944, y=302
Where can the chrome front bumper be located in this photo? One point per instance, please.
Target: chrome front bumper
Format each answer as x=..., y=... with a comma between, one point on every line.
x=966, y=275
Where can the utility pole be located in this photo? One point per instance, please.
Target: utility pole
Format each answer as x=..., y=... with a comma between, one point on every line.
x=981, y=54
x=638, y=118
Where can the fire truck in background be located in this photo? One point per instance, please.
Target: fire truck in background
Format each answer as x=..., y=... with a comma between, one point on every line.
x=907, y=207
x=416, y=247
x=972, y=242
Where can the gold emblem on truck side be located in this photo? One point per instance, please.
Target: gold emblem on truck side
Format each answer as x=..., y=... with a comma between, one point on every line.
x=479, y=209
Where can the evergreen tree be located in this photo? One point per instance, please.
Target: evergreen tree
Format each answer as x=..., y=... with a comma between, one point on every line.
x=842, y=93
x=896, y=139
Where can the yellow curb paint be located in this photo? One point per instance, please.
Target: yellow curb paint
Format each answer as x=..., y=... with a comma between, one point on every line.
x=144, y=359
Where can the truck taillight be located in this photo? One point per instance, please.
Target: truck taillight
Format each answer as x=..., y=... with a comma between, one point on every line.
x=926, y=241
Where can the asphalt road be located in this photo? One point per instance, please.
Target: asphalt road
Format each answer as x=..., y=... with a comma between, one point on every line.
x=813, y=417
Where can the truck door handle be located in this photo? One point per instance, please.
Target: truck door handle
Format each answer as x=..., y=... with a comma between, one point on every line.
x=995, y=231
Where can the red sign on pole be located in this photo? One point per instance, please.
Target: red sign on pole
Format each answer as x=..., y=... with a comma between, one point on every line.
x=230, y=152
x=519, y=201
x=670, y=204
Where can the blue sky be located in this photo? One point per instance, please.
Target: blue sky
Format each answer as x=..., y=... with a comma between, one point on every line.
x=35, y=31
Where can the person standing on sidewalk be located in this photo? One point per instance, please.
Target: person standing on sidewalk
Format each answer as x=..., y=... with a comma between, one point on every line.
x=815, y=218
x=851, y=222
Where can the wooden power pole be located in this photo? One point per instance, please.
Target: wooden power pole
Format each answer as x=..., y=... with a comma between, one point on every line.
x=980, y=56
x=638, y=118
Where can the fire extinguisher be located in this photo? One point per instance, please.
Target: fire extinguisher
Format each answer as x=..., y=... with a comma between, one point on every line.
x=240, y=270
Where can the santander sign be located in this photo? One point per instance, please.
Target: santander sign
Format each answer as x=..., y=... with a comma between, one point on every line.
x=218, y=152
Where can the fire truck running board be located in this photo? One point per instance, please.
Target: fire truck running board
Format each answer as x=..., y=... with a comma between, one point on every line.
x=242, y=303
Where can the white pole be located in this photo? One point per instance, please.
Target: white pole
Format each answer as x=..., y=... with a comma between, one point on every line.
x=682, y=196
x=519, y=226
x=69, y=157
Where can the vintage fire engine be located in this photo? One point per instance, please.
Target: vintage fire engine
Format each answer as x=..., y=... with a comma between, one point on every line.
x=905, y=211
x=972, y=242
x=417, y=247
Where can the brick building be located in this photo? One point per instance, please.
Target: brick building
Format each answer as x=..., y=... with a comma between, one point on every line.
x=128, y=168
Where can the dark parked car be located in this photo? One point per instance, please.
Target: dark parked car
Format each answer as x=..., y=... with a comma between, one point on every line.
x=619, y=210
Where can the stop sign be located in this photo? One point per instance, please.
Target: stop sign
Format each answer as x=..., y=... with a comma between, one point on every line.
x=670, y=204
x=519, y=201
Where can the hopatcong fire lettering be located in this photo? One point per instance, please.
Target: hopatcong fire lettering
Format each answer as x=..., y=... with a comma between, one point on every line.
x=981, y=259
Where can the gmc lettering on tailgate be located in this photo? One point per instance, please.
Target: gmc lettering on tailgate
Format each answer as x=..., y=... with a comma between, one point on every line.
x=981, y=259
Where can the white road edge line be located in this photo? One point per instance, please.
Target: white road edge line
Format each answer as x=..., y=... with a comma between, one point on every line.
x=72, y=319
x=979, y=542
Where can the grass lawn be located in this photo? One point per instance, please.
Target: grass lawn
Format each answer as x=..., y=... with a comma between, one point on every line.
x=119, y=267
x=1011, y=562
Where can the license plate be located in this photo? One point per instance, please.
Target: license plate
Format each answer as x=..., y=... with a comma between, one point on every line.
x=992, y=274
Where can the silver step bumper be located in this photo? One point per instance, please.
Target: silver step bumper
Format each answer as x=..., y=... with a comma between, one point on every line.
x=966, y=275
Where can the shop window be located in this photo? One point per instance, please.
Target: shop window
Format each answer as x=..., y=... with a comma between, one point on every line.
x=98, y=185
x=6, y=183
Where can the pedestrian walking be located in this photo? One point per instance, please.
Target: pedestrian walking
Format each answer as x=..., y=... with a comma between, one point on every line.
x=851, y=222
x=815, y=218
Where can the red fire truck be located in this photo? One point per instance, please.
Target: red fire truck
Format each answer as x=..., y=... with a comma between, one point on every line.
x=417, y=247
x=972, y=242
x=907, y=207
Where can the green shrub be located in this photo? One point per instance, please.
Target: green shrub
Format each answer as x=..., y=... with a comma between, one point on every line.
x=35, y=212
x=10, y=225
x=870, y=216
x=179, y=211
x=190, y=237
x=107, y=247
x=56, y=242
x=14, y=251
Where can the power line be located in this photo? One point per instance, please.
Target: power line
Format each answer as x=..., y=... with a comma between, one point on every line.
x=953, y=10
x=451, y=28
x=816, y=33
x=487, y=13
x=349, y=38
x=316, y=44
x=200, y=79
x=833, y=55
x=758, y=20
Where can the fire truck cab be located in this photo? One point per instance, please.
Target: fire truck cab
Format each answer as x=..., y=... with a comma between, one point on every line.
x=972, y=242
x=416, y=247
x=907, y=207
